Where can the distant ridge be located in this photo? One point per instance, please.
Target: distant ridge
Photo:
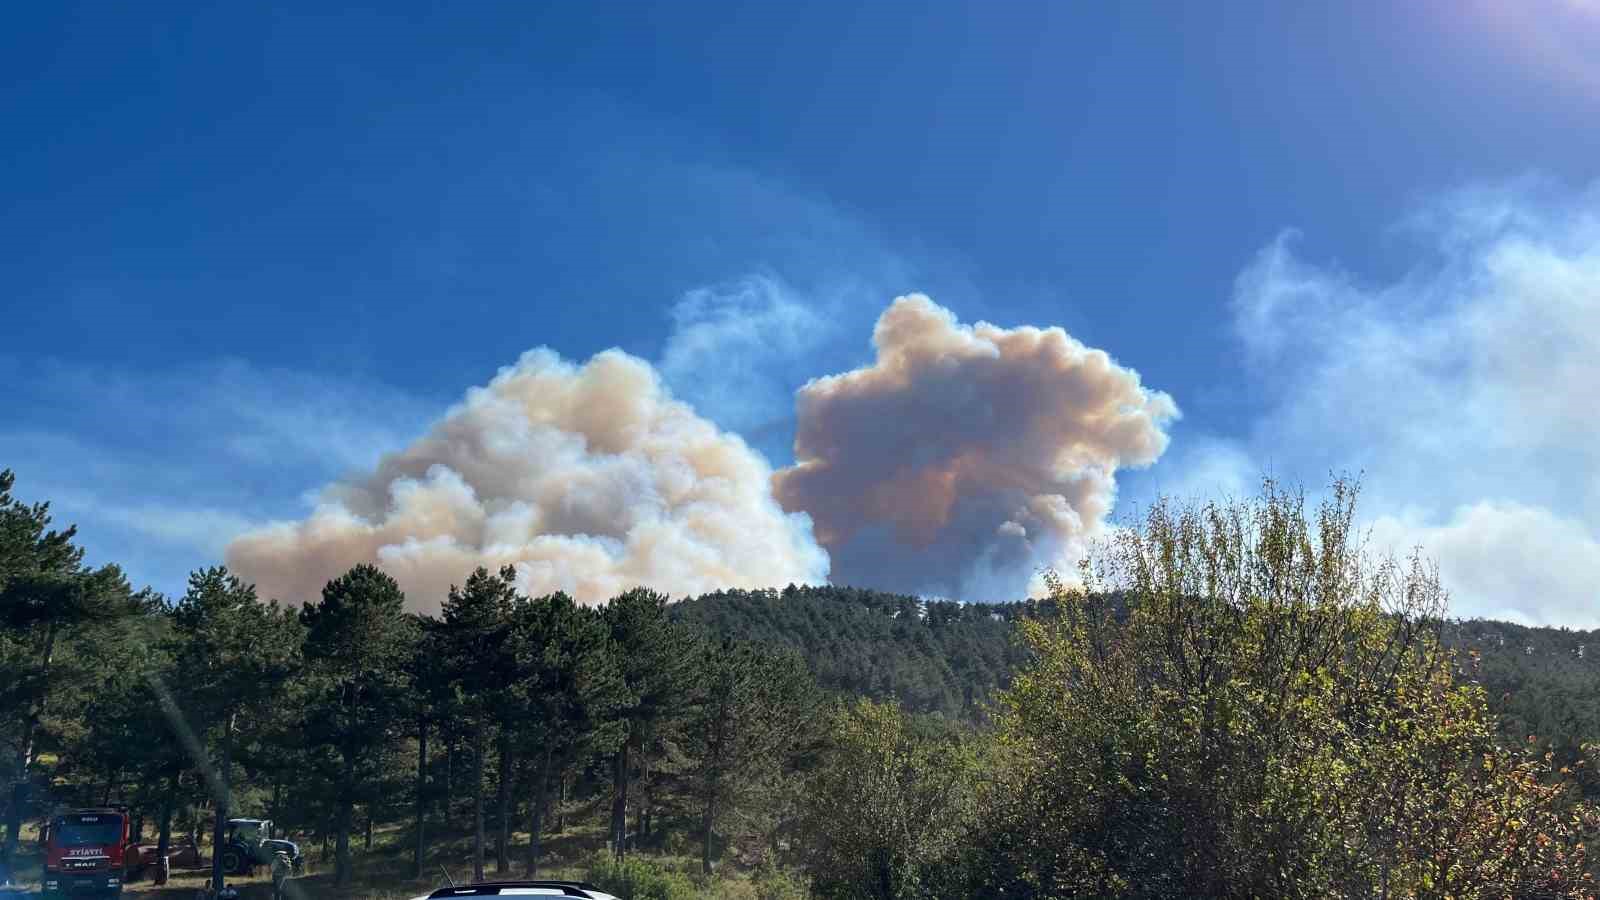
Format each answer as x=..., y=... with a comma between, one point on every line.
x=948, y=659
x=937, y=657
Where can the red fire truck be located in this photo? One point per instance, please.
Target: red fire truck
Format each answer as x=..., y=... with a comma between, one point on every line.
x=88, y=852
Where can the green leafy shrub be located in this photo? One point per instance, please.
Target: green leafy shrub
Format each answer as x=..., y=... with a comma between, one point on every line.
x=889, y=806
x=1273, y=715
x=772, y=883
x=639, y=879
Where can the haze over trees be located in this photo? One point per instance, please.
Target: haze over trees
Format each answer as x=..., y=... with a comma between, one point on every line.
x=1230, y=700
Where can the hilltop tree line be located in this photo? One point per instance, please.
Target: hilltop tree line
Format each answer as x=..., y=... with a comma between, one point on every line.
x=936, y=657
x=951, y=660
x=1227, y=701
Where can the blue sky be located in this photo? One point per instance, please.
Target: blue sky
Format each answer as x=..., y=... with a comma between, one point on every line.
x=248, y=251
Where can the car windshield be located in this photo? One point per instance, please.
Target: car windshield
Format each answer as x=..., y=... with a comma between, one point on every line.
x=86, y=832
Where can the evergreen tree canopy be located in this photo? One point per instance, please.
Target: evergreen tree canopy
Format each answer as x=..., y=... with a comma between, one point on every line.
x=356, y=647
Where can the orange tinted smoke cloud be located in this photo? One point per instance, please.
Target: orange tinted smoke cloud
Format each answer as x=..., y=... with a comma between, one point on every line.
x=589, y=479
x=966, y=457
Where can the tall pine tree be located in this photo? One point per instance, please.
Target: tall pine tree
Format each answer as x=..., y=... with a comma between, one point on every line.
x=358, y=638
x=655, y=658
x=476, y=625
x=231, y=655
x=567, y=688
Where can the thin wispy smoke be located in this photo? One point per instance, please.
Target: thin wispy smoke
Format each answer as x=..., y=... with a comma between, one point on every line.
x=1462, y=390
x=589, y=479
x=966, y=457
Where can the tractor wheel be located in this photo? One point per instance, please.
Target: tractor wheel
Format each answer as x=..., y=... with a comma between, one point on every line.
x=232, y=861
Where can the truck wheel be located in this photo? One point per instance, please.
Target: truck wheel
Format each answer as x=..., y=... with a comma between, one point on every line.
x=232, y=862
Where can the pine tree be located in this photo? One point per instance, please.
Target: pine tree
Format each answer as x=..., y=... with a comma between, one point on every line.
x=655, y=659
x=567, y=689
x=47, y=599
x=231, y=653
x=428, y=700
x=358, y=638
x=476, y=625
x=755, y=710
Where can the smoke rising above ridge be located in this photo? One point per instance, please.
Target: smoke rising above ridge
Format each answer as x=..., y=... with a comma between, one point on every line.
x=964, y=458
x=1461, y=390
x=959, y=462
x=588, y=479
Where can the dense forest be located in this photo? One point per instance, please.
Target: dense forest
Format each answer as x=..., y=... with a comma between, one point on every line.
x=951, y=659
x=1292, y=721
x=931, y=657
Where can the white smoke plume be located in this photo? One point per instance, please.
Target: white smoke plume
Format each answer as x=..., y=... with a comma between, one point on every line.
x=966, y=457
x=588, y=479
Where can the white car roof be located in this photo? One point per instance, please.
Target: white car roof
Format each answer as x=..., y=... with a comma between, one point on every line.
x=521, y=890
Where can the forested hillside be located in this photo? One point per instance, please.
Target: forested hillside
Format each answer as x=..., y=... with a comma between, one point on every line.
x=933, y=657
x=1543, y=683
x=950, y=659
x=1191, y=733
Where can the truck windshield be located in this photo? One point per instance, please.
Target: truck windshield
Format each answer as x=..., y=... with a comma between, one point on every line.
x=99, y=831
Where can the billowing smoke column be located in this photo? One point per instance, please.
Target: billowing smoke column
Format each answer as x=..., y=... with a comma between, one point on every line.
x=589, y=479
x=966, y=457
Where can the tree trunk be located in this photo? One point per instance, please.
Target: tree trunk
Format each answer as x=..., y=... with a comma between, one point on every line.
x=25, y=749
x=713, y=786
x=541, y=796
x=422, y=797
x=341, y=844
x=13, y=823
x=717, y=747
x=449, y=778
x=643, y=830
x=164, y=837
x=619, y=801
x=503, y=805
x=477, y=803
x=705, y=833
x=223, y=803
x=561, y=803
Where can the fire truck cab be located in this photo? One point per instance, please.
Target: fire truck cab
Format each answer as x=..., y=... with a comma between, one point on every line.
x=87, y=853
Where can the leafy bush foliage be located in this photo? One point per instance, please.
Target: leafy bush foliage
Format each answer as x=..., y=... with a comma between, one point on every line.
x=635, y=878
x=1277, y=716
x=772, y=883
x=890, y=806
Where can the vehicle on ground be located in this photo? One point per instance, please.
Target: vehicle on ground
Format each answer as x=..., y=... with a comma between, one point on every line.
x=183, y=852
x=87, y=853
x=248, y=843
x=287, y=849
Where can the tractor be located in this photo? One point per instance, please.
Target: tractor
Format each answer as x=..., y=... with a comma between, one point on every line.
x=248, y=843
